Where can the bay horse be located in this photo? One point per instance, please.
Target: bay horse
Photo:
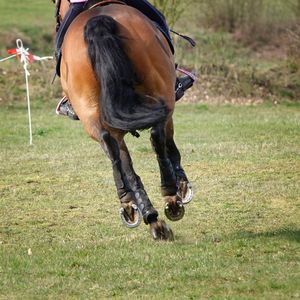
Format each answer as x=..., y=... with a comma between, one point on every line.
x=118, y=72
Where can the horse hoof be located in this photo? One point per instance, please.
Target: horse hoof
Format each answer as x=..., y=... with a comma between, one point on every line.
x=130, y=215
x=160, y=230
x=185, y=192
x=174, y=211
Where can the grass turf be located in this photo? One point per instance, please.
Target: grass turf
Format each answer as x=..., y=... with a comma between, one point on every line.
x=61, y=237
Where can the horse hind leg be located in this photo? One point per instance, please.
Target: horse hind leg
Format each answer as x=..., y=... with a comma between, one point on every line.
x=184, y=187
x=174, y=208
x=128, y=212
x=130, y=189
x=158, y=228
x=141, y=198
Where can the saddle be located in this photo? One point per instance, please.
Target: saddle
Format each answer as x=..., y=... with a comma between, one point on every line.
x=95, y=3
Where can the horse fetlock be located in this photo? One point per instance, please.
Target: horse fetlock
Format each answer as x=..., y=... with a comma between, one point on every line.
x=150, y=216
x=144, y=204
x=168, y=189
x=127, y=197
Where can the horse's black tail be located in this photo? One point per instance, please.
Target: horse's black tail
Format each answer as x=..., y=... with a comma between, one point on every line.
x=121, y=106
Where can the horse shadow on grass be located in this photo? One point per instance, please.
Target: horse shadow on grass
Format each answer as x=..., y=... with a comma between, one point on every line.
x=291, y=234
x=286, y=233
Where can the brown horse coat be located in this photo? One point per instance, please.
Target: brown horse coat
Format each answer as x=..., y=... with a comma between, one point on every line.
x=144, y=45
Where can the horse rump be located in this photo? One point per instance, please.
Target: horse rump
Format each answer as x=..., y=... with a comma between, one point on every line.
x=122, y=107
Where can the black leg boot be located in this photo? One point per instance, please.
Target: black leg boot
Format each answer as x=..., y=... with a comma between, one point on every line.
x=182, y=84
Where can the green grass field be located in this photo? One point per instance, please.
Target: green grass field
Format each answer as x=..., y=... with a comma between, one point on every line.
x=239, y=238
x=60, y=232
